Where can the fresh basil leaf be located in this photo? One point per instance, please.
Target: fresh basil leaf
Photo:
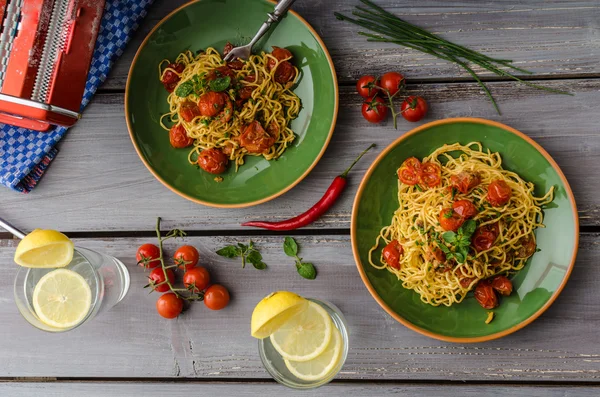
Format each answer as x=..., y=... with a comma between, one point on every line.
x=459, y=257
x=255, y=258
x=220, y=84
x=308, y=271
x=450, y=237
x=464, y=241
x=468, y=228
x=184, y=89
x=445, y=249
x=290, y=247
x=243, y=247
x=230, y=251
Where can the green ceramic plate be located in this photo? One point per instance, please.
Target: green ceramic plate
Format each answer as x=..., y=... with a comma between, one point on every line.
x=535, y=287
x=205, y=23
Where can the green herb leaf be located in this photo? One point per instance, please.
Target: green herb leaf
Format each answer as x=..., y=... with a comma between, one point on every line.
x=290, y=247
x=418, y=187
x=449, y=237
x=468, y=228
x=230, y=251
x=255, y=258
x=220, y=84
x=453, y=192
x=448, y=214
x=459, y=256
x=184, y=89
x=307, y=270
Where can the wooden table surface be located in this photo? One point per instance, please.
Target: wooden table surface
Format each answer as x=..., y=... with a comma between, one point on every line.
x=99, y=192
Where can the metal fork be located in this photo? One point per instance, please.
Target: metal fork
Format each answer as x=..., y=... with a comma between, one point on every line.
x=244, y=52
x=10, y=228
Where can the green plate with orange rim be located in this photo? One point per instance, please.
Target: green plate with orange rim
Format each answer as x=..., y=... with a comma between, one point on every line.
x=211, y=23
x=535, y=287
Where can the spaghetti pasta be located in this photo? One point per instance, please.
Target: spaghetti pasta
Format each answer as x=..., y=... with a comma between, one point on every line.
x=216, y=101
x=435, y=253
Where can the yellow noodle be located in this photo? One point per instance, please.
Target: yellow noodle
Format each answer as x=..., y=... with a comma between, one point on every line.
x=271, y=102
x=416, y=225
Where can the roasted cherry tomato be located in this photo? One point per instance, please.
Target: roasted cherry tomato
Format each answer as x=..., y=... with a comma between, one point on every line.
x=484, y=237
x=212, y=103
x=498, y=193
x=186, y=257
x=285, y=72
x=464, y=208
x=213, y=161
x=414, y=108
x=227, y=49
x=189, y=111
x=409, y=172
x=450, y=220
x=157, y=276
x=392, y=81
x=179, y=138
x=221, y=71
x=216, y=297
x=255, y=139
x=467, y=281
x=147, y=256
x=465, y=181
x=196, y=279
x=374, y=110
x=391, y=254
x=245, y=92
x=363, y=86
x=527, y=247
x=431, y=174
x=485, y=295
x=169, y=305
x=280, y=54
x=438, y=255
x=502, y=284
x=170, y=78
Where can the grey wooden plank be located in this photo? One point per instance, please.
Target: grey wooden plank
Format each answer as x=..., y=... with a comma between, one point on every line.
x=134, y=389
x=133, y=341
x=98, y=183
x=557, y=37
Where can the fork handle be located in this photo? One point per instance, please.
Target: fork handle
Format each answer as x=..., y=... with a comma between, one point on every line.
x=10, y=228
x=280, y=9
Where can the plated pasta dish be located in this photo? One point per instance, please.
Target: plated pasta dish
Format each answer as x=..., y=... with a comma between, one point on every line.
x=225, y=111
x=464, y=223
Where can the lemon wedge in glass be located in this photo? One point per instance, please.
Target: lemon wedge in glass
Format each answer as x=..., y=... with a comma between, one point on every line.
x=275, y=310
x=44, y=249
x=321, y=366
x=305, y=335
x=62, y=298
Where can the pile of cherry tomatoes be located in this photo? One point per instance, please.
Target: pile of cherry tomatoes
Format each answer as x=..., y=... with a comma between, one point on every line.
x=375, y=108
x=196, y=280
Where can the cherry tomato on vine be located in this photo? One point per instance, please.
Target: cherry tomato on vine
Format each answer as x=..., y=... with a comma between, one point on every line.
x=363, y=86
x=196, y=279
x=186, y=257
x=374, y=110
x=157, y=276
x=392, y=81
x=147, y=256
x=413, y=108
x=216, y=297
x=169, y=305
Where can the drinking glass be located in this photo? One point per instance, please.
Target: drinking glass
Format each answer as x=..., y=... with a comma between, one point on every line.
x=107, y=277
x=275, y=366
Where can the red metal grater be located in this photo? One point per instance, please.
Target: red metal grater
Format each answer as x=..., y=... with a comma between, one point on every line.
x=46, y=47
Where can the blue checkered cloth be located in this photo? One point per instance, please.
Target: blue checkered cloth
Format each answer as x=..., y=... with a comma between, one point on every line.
x=25, y=154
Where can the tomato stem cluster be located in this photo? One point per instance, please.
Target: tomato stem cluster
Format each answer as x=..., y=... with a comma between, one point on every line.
x=193, y=296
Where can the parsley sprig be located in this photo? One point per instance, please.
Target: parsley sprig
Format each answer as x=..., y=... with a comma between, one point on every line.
x=248, y=253
x=306, y=270
x=460, y=241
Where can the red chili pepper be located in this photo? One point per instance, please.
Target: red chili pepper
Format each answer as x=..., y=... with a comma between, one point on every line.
x=315, y=212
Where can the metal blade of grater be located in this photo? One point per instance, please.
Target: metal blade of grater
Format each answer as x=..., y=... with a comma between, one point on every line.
x=10, y=27
x=56, y=38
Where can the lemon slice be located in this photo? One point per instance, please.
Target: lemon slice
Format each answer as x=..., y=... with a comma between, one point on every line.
x=43, y=249
x=274, y=310
x=304, y=336
x=323, y=365
x=62, y=298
